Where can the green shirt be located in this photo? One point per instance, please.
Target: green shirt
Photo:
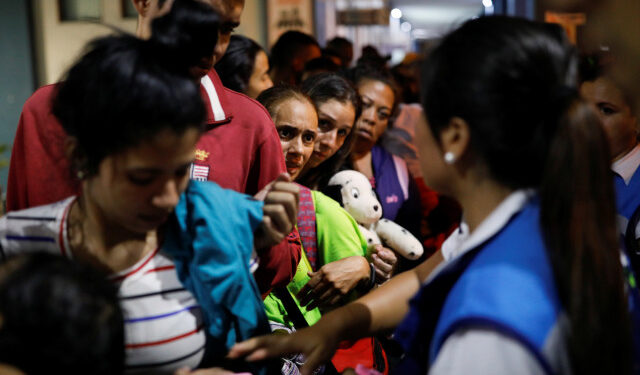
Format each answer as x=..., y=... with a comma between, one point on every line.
x=337, y=237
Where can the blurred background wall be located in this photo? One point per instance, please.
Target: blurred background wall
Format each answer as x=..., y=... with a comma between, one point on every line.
x=40, y=38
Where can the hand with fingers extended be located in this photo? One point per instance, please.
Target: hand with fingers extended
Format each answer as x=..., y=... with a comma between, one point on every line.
x=280, y=211
x=384, y=261
x=333, y=281
x=318, y=343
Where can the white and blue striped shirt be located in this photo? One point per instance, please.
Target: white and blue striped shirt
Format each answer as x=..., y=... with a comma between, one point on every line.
x=164, y=328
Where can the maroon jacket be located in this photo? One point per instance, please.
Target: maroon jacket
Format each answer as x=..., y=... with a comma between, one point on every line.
x=39, y=172
x=240, y=150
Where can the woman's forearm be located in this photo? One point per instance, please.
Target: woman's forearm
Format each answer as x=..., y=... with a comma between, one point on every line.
x=383, y=308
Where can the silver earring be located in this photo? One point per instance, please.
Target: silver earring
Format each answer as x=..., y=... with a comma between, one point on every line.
x=449, y=157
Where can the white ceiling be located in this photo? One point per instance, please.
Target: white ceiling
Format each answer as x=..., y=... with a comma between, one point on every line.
x=436, y=17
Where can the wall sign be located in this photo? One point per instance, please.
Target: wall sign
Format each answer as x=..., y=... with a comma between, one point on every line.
x=284, y=15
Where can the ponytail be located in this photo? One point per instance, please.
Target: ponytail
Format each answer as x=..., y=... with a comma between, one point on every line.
x=578, y=220
x=184, y=36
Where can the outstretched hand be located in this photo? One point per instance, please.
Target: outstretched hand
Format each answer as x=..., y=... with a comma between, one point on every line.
x=333, y=281
x=280, y=210
x=317, y=344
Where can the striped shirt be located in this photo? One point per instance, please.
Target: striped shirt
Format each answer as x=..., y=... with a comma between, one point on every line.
x=163, y=322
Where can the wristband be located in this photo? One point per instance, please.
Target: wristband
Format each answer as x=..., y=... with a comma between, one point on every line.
x=372, y=277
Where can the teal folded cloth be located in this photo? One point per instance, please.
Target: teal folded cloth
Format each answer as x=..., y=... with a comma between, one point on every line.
x=210, y=238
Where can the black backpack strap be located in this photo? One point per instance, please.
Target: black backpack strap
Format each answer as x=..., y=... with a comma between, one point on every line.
x=299, y=321
x=290, y=305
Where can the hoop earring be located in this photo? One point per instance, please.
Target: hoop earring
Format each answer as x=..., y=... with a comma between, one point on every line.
x=449, y=157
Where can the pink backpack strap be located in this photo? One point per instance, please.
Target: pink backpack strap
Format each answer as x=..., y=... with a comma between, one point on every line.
x=307, y=226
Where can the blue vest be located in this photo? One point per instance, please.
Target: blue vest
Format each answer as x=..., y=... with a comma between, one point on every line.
x=627, y=204
x=628, y=201
x=627, y=196
x=505, y=284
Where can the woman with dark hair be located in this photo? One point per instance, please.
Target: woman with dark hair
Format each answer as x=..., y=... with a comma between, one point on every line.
x=244, y=67
x=133, y=116
x=532, y=283
x=334, y=260
x=289, y=54
x=338, y=107
x=396, y=188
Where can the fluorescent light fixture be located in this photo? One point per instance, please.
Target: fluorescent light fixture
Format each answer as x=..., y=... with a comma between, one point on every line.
x=487, y=3
x=396, y=13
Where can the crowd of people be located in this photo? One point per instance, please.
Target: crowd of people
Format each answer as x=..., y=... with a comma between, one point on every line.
x=171, y=207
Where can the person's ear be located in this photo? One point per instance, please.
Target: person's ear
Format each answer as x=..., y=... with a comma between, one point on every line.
x=75, y=156
x=454, y=139
x=70, y=147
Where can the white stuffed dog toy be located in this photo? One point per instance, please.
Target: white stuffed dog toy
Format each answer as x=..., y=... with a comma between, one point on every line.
x=353, y=191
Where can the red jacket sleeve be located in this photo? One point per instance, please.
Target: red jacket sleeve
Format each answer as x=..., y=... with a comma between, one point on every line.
x=269, y=161
x=278, y=264
x=39, y=171
x=17, y=183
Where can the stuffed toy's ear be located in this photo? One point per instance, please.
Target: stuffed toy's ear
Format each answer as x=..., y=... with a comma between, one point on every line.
x=399, y=239
x=334, y=192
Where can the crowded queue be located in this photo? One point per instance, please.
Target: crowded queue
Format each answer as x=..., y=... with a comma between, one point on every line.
x=180, y=202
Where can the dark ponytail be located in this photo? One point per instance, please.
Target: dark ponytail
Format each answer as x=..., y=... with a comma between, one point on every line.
x=514, y=82
x=187, y=34
x=578, y=219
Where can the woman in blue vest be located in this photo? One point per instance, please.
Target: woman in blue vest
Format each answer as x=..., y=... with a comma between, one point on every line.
x=621, y=124
x=532, y=282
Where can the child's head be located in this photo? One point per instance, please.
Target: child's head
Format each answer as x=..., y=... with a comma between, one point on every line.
x=296, y=121
x=133, y=119
x=58, y=316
